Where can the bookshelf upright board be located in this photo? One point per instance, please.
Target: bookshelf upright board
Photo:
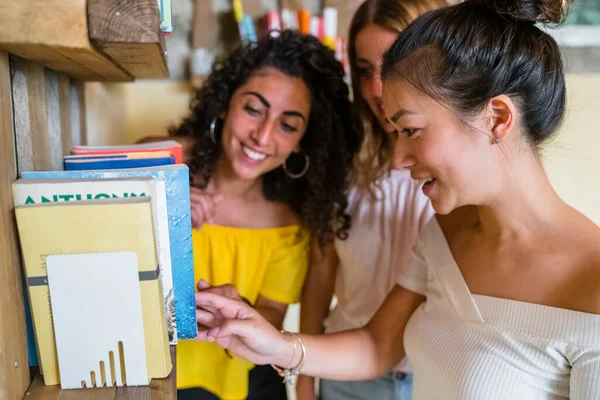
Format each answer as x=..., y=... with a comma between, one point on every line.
x=47, y=50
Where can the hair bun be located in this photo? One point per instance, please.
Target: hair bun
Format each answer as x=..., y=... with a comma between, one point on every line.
x=544, y=11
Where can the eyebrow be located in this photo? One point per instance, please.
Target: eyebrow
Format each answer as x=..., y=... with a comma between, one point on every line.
x=268, y=105
x=398, y=114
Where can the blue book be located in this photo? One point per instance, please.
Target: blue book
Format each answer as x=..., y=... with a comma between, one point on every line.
x=177, y=184
x=101, y=163
x=32, y=354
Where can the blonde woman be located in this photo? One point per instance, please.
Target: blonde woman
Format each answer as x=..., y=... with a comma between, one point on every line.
x=387, y=207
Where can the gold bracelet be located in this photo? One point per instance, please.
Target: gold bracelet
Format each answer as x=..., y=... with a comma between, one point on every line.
x=291, y=374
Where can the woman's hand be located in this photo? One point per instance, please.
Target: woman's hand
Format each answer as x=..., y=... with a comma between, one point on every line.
x=236, y=326
x=227, y=290
x=203, y=206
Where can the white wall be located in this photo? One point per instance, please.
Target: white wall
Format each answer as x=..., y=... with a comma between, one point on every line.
x=120, y=113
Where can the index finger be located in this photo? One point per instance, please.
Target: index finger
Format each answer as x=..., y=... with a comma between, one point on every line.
x=229, y=308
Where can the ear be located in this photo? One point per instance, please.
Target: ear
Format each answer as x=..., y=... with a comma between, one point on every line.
x=503, y=116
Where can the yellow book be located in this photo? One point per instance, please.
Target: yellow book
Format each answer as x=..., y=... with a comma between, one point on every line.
x=94, y=226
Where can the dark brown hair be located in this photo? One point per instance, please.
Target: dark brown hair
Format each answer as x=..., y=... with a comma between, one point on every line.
x=332, y=136
x=467, y=54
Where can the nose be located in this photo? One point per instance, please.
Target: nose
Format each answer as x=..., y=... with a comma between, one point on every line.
x=403, y=157
x=263, y=133
x=376, y=87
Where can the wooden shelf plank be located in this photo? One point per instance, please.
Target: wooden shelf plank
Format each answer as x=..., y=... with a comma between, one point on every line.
x=159, y=389
x=129, y=33
x=94, y=40
x=54, y=33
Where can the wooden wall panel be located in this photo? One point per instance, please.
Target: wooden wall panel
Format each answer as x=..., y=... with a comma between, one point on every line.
x=31, y=114
x=46, y=118
x=14, y=370
x=54, y=151
x=77, y=113
x=64, y=104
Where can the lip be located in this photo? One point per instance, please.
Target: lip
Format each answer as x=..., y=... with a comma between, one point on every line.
x=428, y=188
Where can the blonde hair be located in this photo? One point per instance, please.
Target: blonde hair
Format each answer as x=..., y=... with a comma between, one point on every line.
x=374, y=158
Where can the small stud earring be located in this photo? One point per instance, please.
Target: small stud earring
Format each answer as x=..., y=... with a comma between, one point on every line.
x=496, y=140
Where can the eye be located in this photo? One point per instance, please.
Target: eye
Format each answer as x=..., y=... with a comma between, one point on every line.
x=252, y=111
x=288, y=128
x=363, y=72
x=410, y=132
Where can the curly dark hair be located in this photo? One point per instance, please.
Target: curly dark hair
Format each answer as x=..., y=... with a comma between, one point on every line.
x=332, y=137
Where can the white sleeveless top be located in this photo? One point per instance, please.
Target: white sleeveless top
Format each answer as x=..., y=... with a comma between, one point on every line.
x=466, y=347
x=380, y=240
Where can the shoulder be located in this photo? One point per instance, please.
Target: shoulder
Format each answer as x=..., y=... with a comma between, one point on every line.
x=281, y=215
x=586, y=282
x=585, y=246
x=590, y=273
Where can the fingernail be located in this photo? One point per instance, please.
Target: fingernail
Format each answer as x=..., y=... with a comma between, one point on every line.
x=202, y=284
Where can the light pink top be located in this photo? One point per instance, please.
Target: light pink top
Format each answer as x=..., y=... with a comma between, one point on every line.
x=380, y=240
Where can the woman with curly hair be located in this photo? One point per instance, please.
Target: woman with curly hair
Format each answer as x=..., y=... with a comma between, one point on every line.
x=274, y=139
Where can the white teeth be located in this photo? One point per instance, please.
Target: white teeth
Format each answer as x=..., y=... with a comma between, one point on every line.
x=426, y=180
x=253, y=154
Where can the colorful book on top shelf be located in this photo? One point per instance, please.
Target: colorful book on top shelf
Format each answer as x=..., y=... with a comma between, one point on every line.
x=177, y=185
x=35, y=191
x=121, y=156
x=171, y=146
x=132, y=160
x=85, y=227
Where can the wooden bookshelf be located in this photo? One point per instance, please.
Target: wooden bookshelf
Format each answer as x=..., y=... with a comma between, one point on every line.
x=93, y=40
x=47, y=50
x=159, y=389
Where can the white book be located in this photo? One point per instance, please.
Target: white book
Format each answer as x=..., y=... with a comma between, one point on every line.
x=33, y=191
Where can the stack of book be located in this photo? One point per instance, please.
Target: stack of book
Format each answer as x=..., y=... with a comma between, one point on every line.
x=108, y=263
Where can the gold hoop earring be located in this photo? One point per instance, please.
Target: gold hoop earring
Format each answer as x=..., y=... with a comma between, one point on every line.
x=301, y=173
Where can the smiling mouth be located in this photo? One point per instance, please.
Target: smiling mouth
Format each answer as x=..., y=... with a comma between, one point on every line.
x=253, y=154
x=427, y=181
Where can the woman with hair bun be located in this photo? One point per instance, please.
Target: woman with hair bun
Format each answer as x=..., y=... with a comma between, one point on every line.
x=501, y=299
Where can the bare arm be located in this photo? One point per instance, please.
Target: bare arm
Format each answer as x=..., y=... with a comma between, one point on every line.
x=316, y=300
x=355, y=355
x=365, y=353
x=272, y=311
x=318, y=289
